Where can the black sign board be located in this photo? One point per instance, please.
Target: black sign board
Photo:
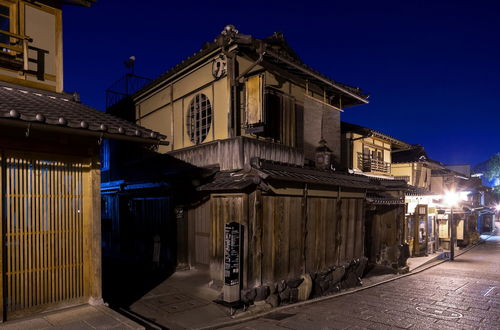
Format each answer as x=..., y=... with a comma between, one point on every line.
x=232, y=239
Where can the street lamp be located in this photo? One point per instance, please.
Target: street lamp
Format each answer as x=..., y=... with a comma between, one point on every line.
x=451, y=198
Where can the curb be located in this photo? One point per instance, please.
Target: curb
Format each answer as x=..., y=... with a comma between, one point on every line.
x=430, y=264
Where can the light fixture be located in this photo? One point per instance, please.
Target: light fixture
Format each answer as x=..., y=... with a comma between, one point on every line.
x=451, y=198
x=497, y=207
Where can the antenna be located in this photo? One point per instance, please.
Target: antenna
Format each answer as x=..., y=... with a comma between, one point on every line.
x=130, y=63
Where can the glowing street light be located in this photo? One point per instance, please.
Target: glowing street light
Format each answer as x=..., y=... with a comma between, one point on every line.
x=451, y=198
x=497, y=207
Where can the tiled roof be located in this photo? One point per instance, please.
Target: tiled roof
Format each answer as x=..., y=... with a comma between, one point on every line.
x=315, y=176
x=277, y=48
x=390, y=184
x=227, y=181
x=415, y=154
x=349, y=127
x=22, y=104
x=418, y=191
x=383, y=199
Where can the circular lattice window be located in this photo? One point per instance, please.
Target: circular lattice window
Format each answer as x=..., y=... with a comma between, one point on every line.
x=199, y=118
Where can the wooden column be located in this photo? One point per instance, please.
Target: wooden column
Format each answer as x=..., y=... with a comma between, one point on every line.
x=92, y=233
x=3, y=254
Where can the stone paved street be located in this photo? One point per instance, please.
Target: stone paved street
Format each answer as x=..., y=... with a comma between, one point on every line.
x=464, y=294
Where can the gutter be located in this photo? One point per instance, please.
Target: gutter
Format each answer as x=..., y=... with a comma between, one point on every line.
x=80, y=132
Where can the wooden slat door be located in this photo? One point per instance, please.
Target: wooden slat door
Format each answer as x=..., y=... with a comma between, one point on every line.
x=202, y=226
x=42, y=233
x=148, y=229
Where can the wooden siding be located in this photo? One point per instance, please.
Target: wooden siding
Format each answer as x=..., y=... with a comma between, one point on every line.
x=44, y=233
x=284, y=236
x=231, y=154
x=225, y=209
x=304, y=236
x=202, y=226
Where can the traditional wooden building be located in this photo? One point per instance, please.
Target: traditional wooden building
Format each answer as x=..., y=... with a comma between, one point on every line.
x=415, y=167
x=267, y=127
x=444, y=181
x=367, y=152
x=50, y=238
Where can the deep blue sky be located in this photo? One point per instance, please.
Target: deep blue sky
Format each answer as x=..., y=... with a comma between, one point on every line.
x=432, y=67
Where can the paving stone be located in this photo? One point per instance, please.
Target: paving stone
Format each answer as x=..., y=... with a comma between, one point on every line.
x=72, y=314
x=33, y=324
x=102, y=321
x=75, y=325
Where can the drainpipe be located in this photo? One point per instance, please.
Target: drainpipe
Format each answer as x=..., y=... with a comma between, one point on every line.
x=304, y=239
x=233, y=91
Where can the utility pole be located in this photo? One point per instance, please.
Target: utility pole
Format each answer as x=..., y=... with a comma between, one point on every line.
x=453, y=237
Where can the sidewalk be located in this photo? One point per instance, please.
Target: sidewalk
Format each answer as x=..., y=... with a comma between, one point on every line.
x=84, y=317
x=184, y=301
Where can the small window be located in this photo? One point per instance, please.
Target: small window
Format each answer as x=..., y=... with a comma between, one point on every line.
x=4, y=24
x=199, y=118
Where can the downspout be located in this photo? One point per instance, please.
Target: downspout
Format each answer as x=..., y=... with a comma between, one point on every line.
x=338, y=235
x=233, y=87
x=304, y=230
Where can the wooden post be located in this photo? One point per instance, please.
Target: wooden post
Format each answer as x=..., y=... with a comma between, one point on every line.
x=304, y=230
x=3, y=254
x=92, y=233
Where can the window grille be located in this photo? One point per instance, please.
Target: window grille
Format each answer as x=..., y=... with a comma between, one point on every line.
x=199, y=118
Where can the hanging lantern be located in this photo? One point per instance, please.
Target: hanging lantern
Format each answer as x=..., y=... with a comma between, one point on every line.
x=323, y=156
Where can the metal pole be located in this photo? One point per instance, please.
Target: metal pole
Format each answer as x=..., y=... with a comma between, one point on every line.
x=453, y=238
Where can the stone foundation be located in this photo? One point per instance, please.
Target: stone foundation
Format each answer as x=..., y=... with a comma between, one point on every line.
x=329, y=281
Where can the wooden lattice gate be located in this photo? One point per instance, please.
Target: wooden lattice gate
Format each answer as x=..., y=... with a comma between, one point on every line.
x=42, y=233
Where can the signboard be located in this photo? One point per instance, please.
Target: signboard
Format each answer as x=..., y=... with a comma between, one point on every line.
x=232, y=240
x=443, y=228
x=460, y=229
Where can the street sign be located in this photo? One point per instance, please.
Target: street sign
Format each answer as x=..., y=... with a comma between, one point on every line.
x=232, y=253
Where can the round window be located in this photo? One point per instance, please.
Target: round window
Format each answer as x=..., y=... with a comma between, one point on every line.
x=199, y=118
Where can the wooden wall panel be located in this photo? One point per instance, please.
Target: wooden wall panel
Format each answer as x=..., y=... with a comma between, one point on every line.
x=224, y=209
x=282, y=237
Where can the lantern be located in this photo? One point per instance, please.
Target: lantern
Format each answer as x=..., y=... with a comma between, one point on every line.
x=323, y=156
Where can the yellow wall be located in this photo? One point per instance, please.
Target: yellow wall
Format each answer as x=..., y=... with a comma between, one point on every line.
x=371, y=143
x=166, y=110
x=411, y=169
x=43, y=24
x=403, y=169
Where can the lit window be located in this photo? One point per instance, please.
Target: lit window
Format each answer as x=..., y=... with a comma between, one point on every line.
x=199, y=118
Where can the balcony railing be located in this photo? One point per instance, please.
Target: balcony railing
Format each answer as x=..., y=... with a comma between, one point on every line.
x=366, y=163
x=123, y=87
x=15, y=54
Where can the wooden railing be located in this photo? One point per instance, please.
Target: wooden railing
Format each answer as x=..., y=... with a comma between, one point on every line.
x=15, y=54
x=235, y=153
x=368, y=164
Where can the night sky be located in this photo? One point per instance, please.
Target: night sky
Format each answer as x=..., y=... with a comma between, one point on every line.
x=432, y=67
